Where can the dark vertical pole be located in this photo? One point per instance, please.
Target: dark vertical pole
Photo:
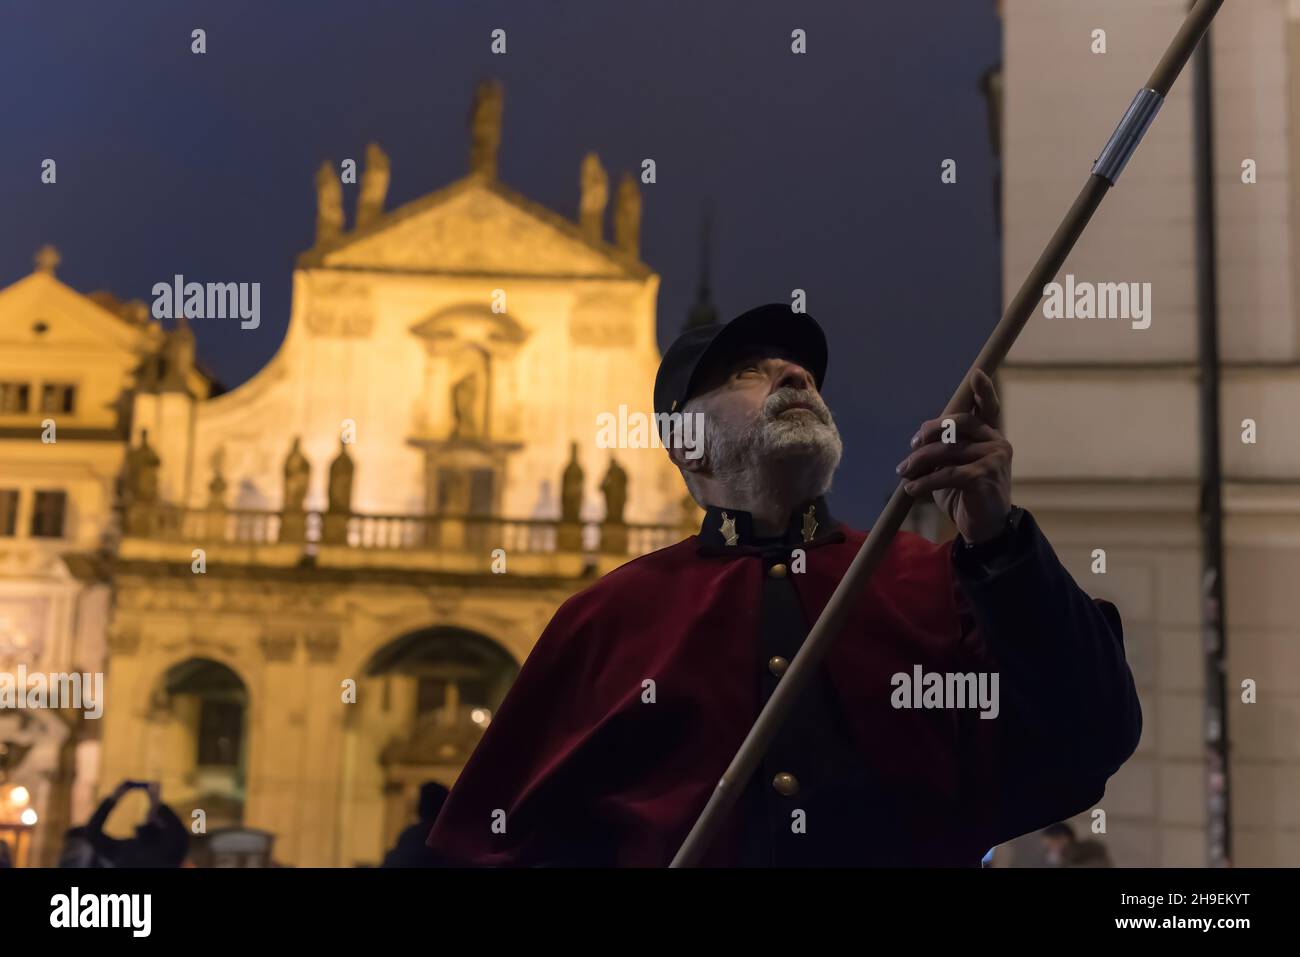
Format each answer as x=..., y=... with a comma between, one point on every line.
x=1211, y=498
x=993, y=86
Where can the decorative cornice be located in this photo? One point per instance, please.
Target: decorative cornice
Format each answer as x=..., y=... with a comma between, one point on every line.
x=278, y=645
x=322, y=646
x=123, y=641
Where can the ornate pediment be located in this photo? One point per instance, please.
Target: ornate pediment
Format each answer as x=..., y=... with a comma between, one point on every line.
x=449, y=330
x=41, y=309
x=476, y=227
x=340, y=307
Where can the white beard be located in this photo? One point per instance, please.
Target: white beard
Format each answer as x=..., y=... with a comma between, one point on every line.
x=776, y=459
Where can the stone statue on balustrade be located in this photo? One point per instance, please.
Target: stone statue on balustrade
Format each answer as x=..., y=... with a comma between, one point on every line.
x=217, y=486
x=142, y=464
x=297, y=475
x=613, y=531
x=215, y=520
x=342, y=471
x=570, y=534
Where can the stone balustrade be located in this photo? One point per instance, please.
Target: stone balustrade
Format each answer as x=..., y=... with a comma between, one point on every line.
x=262, y=527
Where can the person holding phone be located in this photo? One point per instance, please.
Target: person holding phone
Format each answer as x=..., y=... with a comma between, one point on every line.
x=160, y=840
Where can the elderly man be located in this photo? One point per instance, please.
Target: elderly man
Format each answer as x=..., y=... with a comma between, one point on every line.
x=974, y=694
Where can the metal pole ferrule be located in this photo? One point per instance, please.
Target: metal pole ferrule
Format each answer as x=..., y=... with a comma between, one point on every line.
x=1124, y=141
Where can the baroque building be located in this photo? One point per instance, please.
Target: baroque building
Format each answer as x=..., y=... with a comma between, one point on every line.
x=67, y=367
x=311, y=592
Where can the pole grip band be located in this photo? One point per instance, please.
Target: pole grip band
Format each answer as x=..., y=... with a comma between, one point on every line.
x=1124, y=141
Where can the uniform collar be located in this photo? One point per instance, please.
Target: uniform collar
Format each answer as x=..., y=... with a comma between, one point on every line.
x=731, y=531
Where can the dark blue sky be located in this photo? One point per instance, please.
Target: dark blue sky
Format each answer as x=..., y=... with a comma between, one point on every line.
x=822, y=169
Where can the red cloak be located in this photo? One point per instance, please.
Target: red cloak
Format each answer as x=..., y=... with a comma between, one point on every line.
x=580, y=767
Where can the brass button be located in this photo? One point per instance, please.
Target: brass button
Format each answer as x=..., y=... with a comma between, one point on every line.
x=777, y=665
x=777, y=571
x=786, y=784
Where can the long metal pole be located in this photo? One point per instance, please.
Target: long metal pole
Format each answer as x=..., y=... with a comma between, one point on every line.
x=1123, y=143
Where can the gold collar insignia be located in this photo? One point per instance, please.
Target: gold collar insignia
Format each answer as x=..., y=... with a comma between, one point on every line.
x=728, y=530
x=809, y=523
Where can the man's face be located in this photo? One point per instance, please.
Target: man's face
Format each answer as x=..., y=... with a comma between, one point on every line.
x=766, y=424
x=737, y=390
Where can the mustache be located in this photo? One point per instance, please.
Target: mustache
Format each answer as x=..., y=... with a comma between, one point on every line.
x=782, y=400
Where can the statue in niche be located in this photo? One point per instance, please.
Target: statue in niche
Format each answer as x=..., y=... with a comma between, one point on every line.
x=571, y=488
x=341, y=472
x=464, y=404
x=297, y=473
x=614, y=487
x=142, y=464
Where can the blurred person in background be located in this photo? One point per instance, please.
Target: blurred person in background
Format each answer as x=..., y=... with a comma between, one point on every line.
x=410, y=849
x=160, y=840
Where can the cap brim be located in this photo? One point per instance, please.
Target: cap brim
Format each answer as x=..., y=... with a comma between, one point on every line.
x=796, y=334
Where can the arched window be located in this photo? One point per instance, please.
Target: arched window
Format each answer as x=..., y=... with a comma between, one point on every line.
x=460, y=676
x=221, y=701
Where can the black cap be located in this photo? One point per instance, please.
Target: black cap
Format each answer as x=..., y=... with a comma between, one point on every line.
x=696, y=350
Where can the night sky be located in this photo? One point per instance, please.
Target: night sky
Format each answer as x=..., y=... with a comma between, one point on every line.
x=822, y=169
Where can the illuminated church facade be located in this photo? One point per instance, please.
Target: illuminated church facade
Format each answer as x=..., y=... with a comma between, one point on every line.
x=310, y=593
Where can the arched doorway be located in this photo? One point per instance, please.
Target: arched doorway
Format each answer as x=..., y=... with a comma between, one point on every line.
x=203, y=705
x=435, y=692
